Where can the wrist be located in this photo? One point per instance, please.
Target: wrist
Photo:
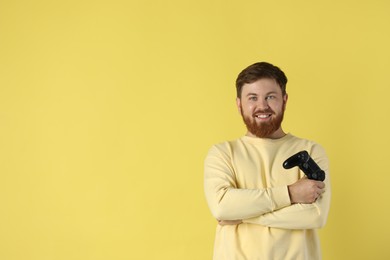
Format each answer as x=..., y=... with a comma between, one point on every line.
x=290, y=194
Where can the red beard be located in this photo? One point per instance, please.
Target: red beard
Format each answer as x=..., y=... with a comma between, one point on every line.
x=264, y=129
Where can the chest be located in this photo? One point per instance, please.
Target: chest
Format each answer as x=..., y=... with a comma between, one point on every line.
x=261, y=168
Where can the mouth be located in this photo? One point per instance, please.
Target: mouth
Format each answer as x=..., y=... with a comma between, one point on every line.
x=262, y=116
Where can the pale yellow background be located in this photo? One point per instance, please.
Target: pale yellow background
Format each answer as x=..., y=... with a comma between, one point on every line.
x=107, y=109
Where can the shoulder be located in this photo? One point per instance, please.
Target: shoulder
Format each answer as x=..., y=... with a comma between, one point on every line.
x=224, y=149
x=316, y=150
x=305, y=142
x=224, y=146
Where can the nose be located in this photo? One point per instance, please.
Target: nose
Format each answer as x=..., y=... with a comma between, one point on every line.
x=262, y=104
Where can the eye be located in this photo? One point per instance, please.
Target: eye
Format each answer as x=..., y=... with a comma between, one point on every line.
x=253, y=98
x=270, y=97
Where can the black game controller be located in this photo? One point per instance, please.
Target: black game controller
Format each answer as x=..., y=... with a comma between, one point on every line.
x=306, y=164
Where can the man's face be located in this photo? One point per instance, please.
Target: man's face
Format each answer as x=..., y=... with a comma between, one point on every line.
x=262, y=106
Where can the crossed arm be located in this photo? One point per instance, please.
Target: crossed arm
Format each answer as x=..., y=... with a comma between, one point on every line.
x=304, y=191
x=300, y=205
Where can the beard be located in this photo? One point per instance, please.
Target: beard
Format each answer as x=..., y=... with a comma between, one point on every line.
x=263, y=129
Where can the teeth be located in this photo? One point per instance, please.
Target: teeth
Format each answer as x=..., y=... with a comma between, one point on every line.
x=263, y=116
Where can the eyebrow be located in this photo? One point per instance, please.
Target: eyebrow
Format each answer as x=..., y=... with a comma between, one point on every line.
x=255, y=94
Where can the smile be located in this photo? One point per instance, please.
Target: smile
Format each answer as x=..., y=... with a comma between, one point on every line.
x=263, y=116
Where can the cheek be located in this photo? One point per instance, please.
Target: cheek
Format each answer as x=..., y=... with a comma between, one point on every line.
x=248, y=109
x=278, y=107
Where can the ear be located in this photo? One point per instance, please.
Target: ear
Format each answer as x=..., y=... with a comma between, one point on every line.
x=238, y=103
x=285, y=98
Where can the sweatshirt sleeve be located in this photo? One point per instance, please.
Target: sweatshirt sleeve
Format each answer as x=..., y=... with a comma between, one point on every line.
x=302, y=216
x=226, y=201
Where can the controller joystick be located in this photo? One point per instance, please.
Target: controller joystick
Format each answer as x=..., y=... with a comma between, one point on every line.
x=306, y=164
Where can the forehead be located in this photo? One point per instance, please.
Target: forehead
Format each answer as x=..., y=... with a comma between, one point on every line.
x=261, y=86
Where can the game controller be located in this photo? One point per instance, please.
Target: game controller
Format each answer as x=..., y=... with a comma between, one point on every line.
x=306, y=164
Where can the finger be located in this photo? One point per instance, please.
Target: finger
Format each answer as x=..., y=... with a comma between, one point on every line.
x=320, y=192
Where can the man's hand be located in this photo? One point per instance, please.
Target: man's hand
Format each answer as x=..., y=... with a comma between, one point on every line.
x=229, y=222
x=305, y=191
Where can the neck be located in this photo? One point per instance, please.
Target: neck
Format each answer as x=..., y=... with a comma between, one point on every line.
x=275, y=135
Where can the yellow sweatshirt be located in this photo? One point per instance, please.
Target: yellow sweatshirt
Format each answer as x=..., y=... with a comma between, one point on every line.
x=244, y=179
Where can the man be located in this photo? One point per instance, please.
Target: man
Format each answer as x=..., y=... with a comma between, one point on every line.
x=263, y=210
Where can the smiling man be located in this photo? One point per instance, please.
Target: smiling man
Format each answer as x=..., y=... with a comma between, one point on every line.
x=264, y=211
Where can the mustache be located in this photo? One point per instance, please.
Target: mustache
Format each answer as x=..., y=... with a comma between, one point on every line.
x=264, y=111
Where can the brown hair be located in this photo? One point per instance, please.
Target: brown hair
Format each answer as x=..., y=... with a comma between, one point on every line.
x=261, y=70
